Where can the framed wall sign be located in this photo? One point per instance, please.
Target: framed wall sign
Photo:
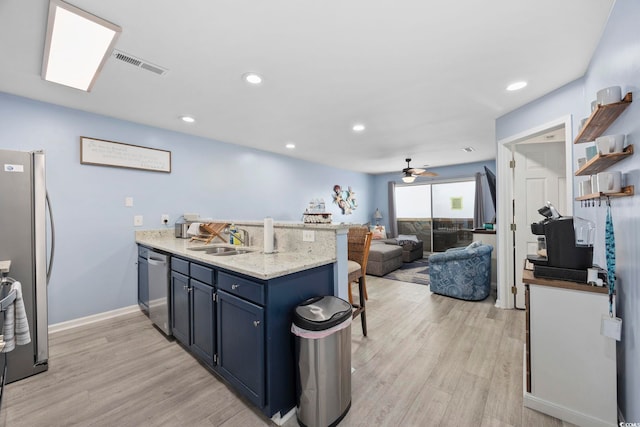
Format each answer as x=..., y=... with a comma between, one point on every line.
x=108, y=153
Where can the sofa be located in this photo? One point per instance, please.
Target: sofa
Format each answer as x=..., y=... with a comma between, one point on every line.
x=463, y=273
x=387, y=255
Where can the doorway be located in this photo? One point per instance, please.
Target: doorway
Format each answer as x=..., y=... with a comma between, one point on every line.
x=542, y=171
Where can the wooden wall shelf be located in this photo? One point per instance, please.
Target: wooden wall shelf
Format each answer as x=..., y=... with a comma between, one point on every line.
x=601, y=119
x=625, y=192
x=601, y=162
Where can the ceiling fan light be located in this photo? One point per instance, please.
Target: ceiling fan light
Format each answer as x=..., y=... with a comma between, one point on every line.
x=408, y=179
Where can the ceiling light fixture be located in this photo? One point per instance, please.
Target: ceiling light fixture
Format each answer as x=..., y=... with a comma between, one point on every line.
x=358, y=127
x=187, y=119
x=408, y=179
x=468, y=149
x=253, y=78
x=290, y=146
x=516, y=86
x=77, y=45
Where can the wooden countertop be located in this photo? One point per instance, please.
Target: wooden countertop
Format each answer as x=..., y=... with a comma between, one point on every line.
x=528, y=278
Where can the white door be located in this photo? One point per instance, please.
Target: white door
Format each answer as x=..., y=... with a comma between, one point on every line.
x=539, y=176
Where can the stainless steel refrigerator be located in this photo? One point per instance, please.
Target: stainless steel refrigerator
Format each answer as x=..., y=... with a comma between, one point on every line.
x=25, y=223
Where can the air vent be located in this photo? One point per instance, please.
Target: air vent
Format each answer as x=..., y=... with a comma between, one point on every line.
x=140, y=63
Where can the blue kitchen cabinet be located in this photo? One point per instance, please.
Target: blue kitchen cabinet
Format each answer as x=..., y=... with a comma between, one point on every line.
x=255, y=344
x=180, y=308
x=192, y=307
x=241, y=358
x=203, y=330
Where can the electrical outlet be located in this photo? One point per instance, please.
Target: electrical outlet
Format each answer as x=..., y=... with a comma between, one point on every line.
x=137, y=220
x=165, y=219
x=308, y=236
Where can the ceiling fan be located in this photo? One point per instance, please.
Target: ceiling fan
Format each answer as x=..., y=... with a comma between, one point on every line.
x=409, y=174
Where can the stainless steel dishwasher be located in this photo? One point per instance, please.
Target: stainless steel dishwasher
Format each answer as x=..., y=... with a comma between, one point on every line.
x=159, y=308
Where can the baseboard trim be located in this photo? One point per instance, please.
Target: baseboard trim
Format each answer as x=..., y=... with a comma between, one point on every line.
x=562, y=412
x=82, y=321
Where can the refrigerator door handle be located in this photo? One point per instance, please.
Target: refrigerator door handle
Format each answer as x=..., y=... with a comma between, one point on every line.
x=40, y=241
x=53, y=237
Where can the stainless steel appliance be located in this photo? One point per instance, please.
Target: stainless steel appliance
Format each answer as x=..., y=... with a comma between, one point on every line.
x=182, y=225
x=159, y=290
x=23, y=241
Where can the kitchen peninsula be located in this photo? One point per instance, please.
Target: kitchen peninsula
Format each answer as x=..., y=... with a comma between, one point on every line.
x=233, y=312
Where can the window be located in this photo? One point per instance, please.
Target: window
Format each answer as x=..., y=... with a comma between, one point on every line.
x=441, y=214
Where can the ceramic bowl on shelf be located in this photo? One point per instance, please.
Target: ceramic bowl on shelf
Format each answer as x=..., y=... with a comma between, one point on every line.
x=581, y=162
x=591, y=152
x=594, y=105
x=608, y=144
x=609, y=182
x=609, y=95
x=585, y=188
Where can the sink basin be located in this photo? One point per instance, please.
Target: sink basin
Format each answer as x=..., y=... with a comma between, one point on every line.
x=221, y=250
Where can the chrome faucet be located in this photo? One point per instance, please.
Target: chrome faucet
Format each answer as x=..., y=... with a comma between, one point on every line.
x=245, y=235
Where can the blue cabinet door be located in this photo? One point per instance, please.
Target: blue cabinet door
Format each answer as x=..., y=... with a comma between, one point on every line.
x=203, y=321
x=143, y=285
x=241, y=358
x=180, y=308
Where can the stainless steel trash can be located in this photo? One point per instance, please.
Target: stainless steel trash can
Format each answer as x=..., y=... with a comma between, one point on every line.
x=322, y=329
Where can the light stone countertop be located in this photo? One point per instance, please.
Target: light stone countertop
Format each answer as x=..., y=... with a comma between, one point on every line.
x=255, y=264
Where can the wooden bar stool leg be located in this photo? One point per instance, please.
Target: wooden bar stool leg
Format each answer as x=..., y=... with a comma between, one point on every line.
x=363, y=312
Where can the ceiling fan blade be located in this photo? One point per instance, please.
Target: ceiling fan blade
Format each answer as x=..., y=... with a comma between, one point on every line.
x=427, y=173
x=416, y=171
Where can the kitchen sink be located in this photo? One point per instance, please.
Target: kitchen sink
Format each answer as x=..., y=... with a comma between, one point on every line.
x=221, y=250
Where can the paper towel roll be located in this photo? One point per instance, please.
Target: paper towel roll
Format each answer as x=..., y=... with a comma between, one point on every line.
x=268, y=235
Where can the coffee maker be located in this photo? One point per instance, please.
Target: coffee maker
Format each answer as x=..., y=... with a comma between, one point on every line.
x=565, y=246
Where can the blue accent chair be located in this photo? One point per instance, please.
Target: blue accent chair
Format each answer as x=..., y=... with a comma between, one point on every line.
x=463, y=273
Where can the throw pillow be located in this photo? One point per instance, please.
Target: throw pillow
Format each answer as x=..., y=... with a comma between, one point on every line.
x=475, y=244
x=378, y=232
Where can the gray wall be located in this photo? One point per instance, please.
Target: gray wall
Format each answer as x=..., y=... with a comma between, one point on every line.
x=615, y=62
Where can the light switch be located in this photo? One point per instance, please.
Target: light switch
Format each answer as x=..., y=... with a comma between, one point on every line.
x=137, y=220
x=128, y=202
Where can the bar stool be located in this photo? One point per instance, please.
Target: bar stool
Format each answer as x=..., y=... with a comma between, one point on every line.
x=358, y=243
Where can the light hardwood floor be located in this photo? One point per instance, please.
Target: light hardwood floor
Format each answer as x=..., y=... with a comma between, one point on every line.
x=428, y=361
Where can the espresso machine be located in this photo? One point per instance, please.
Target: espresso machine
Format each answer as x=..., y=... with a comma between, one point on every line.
x=565, y=246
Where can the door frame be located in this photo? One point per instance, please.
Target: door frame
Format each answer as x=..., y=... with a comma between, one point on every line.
x=504, y=199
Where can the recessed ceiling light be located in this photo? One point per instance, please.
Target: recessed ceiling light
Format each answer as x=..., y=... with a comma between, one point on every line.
x=290, y=146
x=187, y=119
x=516, y=86
x=253, y=78
x=358, y=127
x=468, y=149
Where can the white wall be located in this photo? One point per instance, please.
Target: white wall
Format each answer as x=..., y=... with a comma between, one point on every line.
x=615, y=62
x=95, y=260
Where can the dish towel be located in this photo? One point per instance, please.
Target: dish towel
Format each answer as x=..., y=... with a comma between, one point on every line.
x=610, y=254
x=16, y=326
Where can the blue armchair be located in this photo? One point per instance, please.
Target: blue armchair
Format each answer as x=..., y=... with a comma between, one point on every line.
x=463, y=273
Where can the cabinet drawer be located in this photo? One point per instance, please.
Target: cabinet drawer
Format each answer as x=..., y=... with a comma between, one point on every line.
x=180, y=265
x=202, y=273
x=243, y=288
